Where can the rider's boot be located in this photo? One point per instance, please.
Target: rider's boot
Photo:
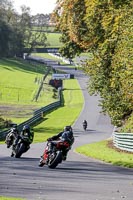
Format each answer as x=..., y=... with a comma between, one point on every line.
x=41, y=162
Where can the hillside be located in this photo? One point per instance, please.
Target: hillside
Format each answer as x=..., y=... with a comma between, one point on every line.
x=19, y=84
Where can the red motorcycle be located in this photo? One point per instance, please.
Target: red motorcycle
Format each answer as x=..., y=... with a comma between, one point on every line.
x=53, y=157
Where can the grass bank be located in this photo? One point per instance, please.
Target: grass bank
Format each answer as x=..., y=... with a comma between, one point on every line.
x=50, y=57
x=104, y=151
x=65, y=115
x=9, y=198
x=52, y=122
x=19, y=84
x=53, y=40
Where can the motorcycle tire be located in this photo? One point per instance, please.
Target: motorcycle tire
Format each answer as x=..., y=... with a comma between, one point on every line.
x=21, y=150
x=53, y=162
x=84, y=127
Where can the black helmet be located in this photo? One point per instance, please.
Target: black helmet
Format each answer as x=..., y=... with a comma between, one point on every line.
x=26, y=128
x=14, y=125
x=67, y=128
x=84, y=121
x=14, y=129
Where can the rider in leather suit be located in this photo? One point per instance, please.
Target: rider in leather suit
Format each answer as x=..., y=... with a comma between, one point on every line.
x=25, y=131
x=65, y=135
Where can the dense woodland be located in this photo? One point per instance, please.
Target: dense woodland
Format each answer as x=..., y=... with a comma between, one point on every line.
x=103, y=28
x=17, y=31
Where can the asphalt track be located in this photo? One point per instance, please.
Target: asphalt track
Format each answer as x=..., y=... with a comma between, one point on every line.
x=78, y=178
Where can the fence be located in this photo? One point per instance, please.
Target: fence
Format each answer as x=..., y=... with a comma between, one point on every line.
x=123, y=141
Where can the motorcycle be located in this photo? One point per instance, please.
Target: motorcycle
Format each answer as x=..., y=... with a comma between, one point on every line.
x=84, y=126
x=53, y=157
x=21, y=147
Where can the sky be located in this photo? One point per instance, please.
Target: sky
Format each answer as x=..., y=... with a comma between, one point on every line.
x=36, y=6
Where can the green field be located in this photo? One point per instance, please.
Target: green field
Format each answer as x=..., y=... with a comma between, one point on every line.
x=53, y=39
x=19, y=85
x=65, y=115
x=46, y=56
x=9, y=198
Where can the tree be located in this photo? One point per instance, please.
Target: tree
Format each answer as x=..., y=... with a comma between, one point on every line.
x=10, y=38
x=32, y=38
x=106, y=67
x=69, y=20
x=103, y=28
x=5, y=33
x=17, y=31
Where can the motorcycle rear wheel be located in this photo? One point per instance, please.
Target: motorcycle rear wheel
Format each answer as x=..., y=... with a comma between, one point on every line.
x=21, y=150
x=53, y=162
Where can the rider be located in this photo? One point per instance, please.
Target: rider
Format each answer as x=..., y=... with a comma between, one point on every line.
x=25, y=132
x=13, y=134
x=65, y=135
x=84, y=123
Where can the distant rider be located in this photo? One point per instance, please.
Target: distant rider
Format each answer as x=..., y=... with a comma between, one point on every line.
x=85, y=124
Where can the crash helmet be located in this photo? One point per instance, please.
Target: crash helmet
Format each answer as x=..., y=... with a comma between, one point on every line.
x=84, y=121
x=14, y=128
x=68, y=128
x=26, y=129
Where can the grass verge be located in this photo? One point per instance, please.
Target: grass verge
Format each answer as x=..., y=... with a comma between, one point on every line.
x=19, y=84
x=50, y=57
x=65, y=115
x=104, y=151
x=9, y=198
x=53, y=40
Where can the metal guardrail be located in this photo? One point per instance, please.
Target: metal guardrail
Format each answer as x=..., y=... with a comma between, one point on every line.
x=38, y=114
x=123, y=141
x=43, y=50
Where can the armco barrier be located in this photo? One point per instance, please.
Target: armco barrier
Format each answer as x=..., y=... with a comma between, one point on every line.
x=37, y=116
x=123, y=141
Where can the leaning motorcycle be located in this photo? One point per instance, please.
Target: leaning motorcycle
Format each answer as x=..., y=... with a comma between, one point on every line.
x=84, y=127
x=21, y=147
x=53, y=157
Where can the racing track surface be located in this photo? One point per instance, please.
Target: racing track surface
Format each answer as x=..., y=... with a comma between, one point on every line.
x=78, y=178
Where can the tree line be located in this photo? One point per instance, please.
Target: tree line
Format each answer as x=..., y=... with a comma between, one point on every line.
x=103, y=28
x=17, y=31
